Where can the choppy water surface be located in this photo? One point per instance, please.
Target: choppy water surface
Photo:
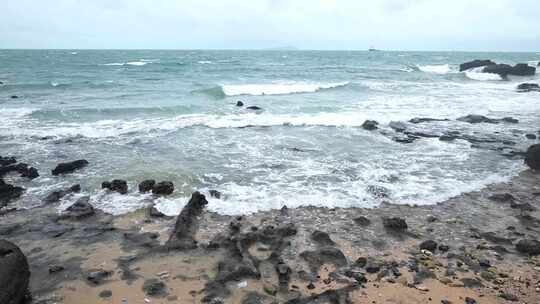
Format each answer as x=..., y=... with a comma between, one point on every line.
x=171, y=115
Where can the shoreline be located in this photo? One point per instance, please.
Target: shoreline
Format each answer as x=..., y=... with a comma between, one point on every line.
x=300, y=255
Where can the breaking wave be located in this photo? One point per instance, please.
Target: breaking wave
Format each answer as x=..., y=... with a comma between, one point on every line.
x=278, y=89
x=435, y=69
x=477, y=74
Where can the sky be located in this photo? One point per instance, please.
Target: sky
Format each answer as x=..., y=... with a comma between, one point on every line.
x=464, y=25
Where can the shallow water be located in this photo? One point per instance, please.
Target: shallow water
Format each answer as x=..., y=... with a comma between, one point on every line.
x=171, y=115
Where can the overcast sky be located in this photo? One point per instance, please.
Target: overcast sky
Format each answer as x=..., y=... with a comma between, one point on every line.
x=482, y=25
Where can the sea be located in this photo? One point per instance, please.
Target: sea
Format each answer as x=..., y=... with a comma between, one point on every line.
x=171, y=115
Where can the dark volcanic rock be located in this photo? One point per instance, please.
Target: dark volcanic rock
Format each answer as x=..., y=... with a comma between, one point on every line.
x=370, y=125
x=147, y=185
x=325, y=255
x=215, y=193
x=146, y=239
x=530, y=136
x=163, y=188
x=429, y=245
x=255, y=108
x=239, y=103
x=528, y=87
x=322, y=238
x=4, y=161
x=23, y=169
x=362, y=221
x=395, y=223
x=532, y=157
x=509, y=297
x=56, y=196
x=183, y=236
x=97, y=277
x=80, y=209
x=105, y=294
x=531, y=247
x=69, y=167
x=470, y=300
x=14, y=274
x=502, y=197
x=8, y=192
x=520, y=69
x=476, y=119
x=116, y=185
x=154, y=212
x=418, y=120
x=474, y=64
x=378, y=191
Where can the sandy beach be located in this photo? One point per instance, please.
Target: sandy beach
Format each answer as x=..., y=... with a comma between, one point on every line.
x=459, y=251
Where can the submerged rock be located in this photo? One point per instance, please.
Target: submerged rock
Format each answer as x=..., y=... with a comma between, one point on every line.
x=8, y=193
x=531, y=247
x=532, y=157
x=14, y=274
x=163, y=188
x=69, y=167
x=370, y=125
x=473, y=119
x=362, y=221
x=56, y=196
x=147, y=185
x=475, y=64
x=23, y=169
x=255, y=108
x=418, y=120
x=116, y=185
x=528, y=87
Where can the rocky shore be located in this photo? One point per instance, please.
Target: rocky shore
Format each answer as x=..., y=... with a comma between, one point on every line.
x=479, y=247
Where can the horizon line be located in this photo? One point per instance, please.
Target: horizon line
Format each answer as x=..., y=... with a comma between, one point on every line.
x=275, y=49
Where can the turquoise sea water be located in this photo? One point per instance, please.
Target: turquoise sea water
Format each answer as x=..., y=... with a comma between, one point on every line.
x=172, y=115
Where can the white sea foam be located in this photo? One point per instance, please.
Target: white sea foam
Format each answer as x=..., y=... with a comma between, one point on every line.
x=114, y=64
x=477, y=74
x=435, y=69
x=278, y=88
x=204, y=62
x=137, y=63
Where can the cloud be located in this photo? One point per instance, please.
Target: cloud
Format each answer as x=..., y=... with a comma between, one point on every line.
x=324, y=24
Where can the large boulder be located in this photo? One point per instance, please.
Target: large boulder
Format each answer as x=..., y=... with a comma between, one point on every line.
x=14, y=274
x=532, y=157
x=147, y=185
x=528, y=87
x=474, y=64
x=69, y=167
x=521, y=69
x=183, y=235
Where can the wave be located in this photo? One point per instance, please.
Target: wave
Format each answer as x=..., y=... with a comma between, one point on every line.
x=132, y=63
x=204, y=62
x=435, y=69
x=278, y=89
x=477, y=74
